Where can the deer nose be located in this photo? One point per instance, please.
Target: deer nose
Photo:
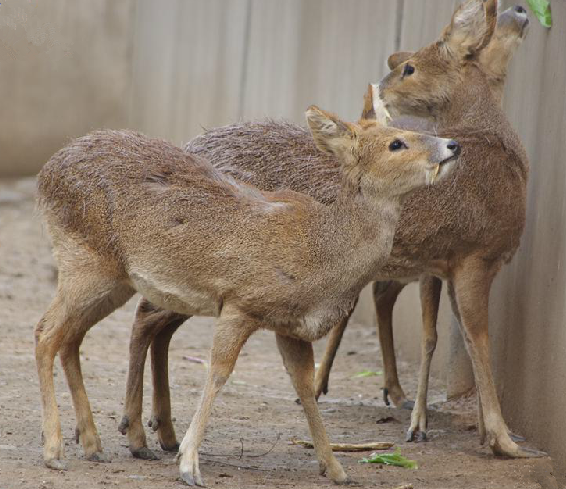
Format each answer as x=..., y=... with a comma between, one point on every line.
x=454, y=147
x=520, y=10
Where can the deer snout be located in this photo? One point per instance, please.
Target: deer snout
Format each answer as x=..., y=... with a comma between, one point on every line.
x=448, y=151
x=516, y=19
x=454, y=146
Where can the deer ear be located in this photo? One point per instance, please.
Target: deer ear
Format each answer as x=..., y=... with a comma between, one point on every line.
x=374, y=110
x=368, y=112
x=332, y=135
x=471, y=28
x=397, y=58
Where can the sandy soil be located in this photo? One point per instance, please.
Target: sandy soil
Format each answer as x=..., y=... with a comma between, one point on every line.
x=255, y=413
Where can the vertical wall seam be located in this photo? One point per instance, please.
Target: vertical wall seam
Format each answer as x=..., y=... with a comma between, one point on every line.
x=244, y=74
x=399, y=23
x=132, y=59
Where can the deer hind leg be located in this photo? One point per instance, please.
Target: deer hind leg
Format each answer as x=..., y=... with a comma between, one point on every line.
x=385, y=295
x=299, y=361
x=231, y=332
x=83, y=298
x=472, y=283
x=430, y=288
x=161, y=408
x=148, y=323
x=332, y=343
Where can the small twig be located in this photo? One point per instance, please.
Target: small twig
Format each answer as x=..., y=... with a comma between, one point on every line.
x=194, y=359
x=241, y=448
x=349, y=447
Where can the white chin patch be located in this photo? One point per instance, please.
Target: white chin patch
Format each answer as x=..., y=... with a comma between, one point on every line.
x=381, y=113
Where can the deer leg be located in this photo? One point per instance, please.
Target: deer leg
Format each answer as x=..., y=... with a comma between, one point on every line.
x=231, y=332
x=299, y=361
x=334, y=338
x=79, y=304
x=472, y=283
x=430, y=288
x=385, y=294
x=149, y=321
x=161, y=410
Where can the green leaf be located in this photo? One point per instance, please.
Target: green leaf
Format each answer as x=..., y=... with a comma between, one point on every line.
x=368, y=373
x=395, y=459
x=541, y=9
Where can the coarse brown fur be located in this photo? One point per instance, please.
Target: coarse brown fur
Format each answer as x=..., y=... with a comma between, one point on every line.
x=128, y=213
x=468, y=226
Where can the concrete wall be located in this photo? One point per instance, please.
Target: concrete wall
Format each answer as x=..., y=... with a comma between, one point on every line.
x=169, y=68
x=65, y=69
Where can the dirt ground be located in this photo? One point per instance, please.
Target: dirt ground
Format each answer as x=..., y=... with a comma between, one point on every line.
x=248, y=441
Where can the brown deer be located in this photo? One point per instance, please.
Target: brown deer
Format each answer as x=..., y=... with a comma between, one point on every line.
x=276, y=155
x=512, y=26
x=128, y=213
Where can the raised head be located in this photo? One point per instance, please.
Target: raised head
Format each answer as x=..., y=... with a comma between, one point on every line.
x=512, y=27
x=422, y=83
x=380, y=160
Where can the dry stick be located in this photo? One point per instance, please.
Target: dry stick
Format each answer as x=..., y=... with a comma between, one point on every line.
x=349, y=447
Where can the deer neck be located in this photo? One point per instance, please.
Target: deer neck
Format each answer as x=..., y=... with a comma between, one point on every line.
x=472, y=104
x=360, y=229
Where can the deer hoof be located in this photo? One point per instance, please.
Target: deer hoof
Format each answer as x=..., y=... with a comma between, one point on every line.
x=169, y=448
x=56, y=464
x=144, y=453
x=415, y=435
x=153, y=423
x=99, y=457
x=124, y=425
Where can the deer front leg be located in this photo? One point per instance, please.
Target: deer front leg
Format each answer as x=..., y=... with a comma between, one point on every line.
x=161, y=409
x=472, y=282
x=231, y=332
x=299, y=361
x=332, y=344
x=384, y=295
x=430, y=288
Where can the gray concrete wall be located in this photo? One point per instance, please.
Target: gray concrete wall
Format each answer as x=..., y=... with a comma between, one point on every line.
x=170, y=67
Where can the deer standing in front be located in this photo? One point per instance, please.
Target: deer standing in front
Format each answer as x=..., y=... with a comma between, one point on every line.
x=467, y=227
x=128, y=213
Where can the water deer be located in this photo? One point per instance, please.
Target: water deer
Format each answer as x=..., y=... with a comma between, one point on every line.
x=128, y=213
x=457, y=89
x=511, y=29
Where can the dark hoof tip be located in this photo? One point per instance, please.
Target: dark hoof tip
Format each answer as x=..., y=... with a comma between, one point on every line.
x=386, y=396
x=533, y=453
x=408, y=405
x=410, y=436
x=517, y=438
x=421, y=436
x=56, y=464
x=153, y=423
x=99, y=457
x=170, y=448
x=190, y=480
x=124, y=425
x=144, y=453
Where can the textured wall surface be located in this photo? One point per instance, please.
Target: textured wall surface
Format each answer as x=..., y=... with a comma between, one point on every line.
x=171, y=67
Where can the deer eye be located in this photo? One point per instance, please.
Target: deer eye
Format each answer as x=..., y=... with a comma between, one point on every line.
x=396, y=145
x=408, y=70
